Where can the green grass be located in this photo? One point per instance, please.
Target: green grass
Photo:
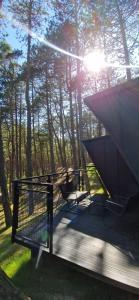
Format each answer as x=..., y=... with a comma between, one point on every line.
x=100, y=191
x=94, y=181
x=12, y=257
x=52, y=280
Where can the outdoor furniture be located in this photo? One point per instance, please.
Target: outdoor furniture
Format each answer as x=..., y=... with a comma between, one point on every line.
x=98, y=204
x=119, y=204
x=70, y=193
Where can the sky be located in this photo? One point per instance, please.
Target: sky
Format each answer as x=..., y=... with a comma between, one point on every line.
x=15, y=43
x=22, y=30
x=11, y=32
x=12, y=39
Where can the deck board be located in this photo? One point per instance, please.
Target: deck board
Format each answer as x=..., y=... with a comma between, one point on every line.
x=100, y=243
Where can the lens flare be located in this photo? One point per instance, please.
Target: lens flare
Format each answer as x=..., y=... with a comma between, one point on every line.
x=40, y=38
x=94, y=61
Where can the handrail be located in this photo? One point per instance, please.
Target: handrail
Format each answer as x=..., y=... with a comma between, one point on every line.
x=57, y=173
x=35, y=183
x=29, y=190
x=17, y=186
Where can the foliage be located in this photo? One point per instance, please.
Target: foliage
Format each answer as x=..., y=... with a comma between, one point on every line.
x=44, y=118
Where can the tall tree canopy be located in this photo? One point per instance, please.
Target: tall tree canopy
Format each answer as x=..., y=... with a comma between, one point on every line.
x=44, y=118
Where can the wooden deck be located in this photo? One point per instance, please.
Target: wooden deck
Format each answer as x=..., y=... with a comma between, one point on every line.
x=95, y=241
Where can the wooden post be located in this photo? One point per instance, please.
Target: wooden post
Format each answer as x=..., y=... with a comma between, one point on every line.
x=15, y=209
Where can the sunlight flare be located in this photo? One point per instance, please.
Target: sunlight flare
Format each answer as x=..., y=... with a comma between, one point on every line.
x=94, y=61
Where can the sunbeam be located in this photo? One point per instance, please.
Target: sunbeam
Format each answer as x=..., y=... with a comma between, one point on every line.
x=38, y=37
x=85, y=60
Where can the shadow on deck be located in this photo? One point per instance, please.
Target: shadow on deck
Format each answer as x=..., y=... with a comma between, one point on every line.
x=102, y=244
x=91, y=239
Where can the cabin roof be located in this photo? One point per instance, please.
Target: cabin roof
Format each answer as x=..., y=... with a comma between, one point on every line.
x=132, y=84
x=118, y=109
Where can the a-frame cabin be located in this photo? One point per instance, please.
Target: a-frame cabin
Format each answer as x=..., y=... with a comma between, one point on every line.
x=99, y=235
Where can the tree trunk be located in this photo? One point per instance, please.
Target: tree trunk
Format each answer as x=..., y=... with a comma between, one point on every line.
x=20, y=137
x=50, y=133
x=73, y=143
x=124, y=40
x=27, y=97
x=3, y=183
x=16, y=138
x=35, y=166
x=62, y=127
x=40, y=146
x=12, y=145
x=79, y=92
x=78, y=135
x=60, y=155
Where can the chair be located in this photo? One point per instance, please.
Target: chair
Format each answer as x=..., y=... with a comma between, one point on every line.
x=118, y=204
x=70, y=193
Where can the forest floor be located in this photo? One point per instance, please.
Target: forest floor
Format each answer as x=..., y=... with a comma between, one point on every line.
x=52, y=280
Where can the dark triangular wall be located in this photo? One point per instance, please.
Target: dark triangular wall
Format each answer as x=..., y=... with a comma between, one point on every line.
x=118, y=109
x=112, y=169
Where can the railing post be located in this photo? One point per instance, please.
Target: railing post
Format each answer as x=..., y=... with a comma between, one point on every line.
x=50, y=217
x=67, y=177
x=49, y=178
x=31, y=201
x=15, y=209
x=82, y=180
x=79, y=179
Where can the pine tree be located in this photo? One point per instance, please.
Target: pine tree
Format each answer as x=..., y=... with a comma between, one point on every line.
x=29, y=14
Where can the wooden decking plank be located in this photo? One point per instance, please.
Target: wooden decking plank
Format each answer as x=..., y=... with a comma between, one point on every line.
x=97, y=255
x=99, y=244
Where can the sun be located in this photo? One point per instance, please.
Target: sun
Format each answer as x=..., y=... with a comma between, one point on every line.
x=94, y=61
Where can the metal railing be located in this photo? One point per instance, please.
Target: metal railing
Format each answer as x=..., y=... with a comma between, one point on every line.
x=34, y=205
x=33, y=213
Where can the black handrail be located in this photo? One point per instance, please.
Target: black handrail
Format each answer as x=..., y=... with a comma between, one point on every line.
x=35, y=183
x=48, y=185
x=17, y=186
x=58, y=173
